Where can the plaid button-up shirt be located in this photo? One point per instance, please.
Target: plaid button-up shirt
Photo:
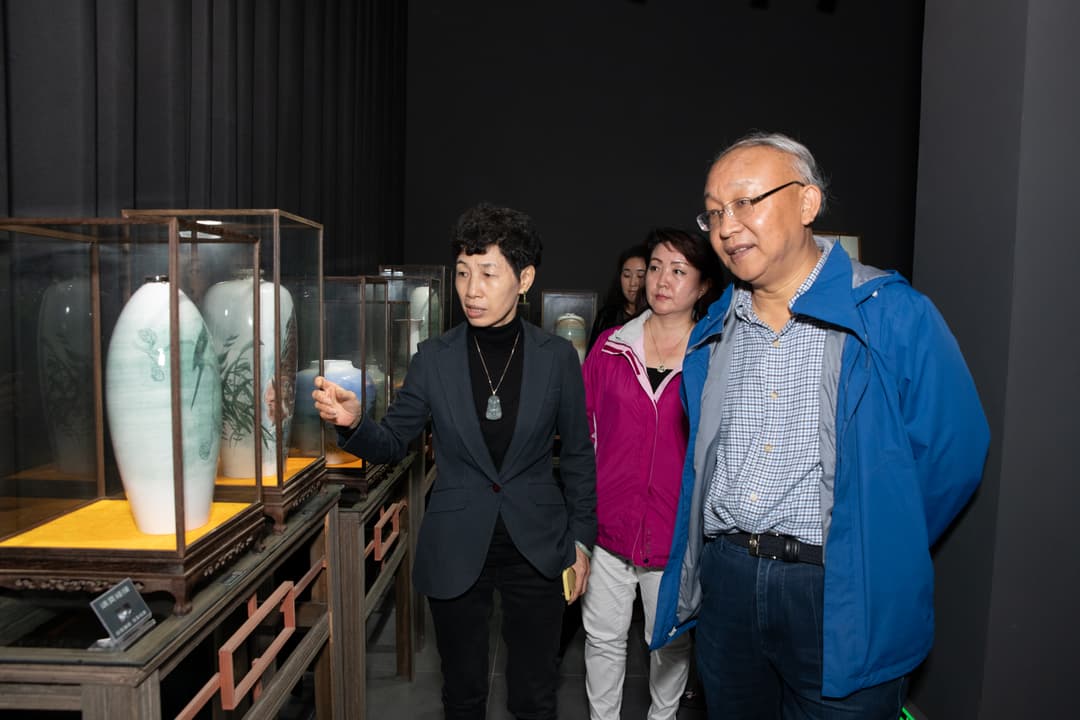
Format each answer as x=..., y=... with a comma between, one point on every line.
x=768, y=458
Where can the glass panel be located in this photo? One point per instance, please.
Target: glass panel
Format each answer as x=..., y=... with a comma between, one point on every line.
x=110, y=411
x=437, y=277
x=569, y=314
x=257, y=442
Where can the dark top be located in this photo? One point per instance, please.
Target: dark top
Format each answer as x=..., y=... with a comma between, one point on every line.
x=496, y=344
x=656, y=377
x=607, y=317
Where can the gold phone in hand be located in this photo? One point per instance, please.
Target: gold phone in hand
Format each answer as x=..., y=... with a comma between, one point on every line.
x=569, y=580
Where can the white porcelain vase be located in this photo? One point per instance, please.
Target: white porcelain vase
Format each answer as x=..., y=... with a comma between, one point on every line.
x=229, y=312
x=138, y=403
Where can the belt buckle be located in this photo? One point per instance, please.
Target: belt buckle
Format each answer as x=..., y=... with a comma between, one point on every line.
x=753, y=546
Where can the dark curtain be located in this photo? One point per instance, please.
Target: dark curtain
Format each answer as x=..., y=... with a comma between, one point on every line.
x=291, y=104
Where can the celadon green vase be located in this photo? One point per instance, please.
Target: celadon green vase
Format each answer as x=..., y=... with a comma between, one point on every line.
x=138, y=403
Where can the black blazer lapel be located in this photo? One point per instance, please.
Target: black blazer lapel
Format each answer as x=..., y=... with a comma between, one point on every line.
x=535, y=378
x=453, y=375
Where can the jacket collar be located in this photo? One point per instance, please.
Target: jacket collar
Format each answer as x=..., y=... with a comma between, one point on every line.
x=841, y=286
x=629, y=340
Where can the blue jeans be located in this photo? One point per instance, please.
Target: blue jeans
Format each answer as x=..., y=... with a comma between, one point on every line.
x=758, y=643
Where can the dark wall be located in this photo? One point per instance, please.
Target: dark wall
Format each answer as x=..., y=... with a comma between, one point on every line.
x=600, y=119
x=998, y=250
x=112, y=104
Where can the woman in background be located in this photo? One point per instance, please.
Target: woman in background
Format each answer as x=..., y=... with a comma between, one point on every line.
x=639, y=431
x=625, y=298
x=497, y=390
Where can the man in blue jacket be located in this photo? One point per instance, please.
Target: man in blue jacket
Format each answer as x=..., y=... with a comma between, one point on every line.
x=835, y=432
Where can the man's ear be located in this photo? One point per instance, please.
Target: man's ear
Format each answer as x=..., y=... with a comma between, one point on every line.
x=811, y=203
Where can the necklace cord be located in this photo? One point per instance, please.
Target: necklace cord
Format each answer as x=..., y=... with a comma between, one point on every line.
x=662, y=367
x=495, y=389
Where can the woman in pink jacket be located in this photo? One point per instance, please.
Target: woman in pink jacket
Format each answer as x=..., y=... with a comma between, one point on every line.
x=639, y=431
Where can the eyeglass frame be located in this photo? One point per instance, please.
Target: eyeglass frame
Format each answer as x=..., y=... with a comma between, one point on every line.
x=727, y=208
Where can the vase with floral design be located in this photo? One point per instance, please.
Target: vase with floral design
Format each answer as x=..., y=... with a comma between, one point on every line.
x=138, y=403
x=229, y=311
x=65, y=372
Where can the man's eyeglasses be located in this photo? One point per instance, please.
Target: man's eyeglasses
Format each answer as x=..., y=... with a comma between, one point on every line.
x=741, y=209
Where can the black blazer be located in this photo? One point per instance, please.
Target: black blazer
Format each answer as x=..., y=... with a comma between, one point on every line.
x=544, y=515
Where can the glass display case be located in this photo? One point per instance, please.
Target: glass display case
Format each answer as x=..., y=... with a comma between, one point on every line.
x=258, y=443
x=358, y=322
x=413, y=315
x=112, y=406
x=437, y=311
x=569, y=314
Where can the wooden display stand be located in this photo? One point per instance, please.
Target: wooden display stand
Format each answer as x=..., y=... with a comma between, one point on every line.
x=377, y=530
x=291, y=590
x=92, y=548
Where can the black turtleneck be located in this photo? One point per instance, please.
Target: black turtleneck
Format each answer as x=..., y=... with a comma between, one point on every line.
x=495, y=343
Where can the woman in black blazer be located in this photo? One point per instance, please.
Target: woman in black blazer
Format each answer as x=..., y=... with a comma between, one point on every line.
x=497, y=390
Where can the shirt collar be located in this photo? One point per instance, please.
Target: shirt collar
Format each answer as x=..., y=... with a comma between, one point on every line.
x=743, y=299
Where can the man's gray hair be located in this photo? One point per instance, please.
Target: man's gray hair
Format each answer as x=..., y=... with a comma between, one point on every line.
x=802, y=161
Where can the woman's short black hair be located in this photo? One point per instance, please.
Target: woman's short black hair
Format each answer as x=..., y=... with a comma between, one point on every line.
x=511, y=230
x=699, y=253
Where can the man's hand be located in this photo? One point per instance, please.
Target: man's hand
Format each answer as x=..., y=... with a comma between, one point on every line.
x=581, y=575
x=336, y=404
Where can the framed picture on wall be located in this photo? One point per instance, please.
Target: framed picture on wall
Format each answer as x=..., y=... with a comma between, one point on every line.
x=852, y=244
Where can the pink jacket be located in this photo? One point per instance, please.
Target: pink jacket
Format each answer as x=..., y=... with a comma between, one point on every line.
x=640, y=441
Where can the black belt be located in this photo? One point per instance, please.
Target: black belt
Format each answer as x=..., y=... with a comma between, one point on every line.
x=776, y=547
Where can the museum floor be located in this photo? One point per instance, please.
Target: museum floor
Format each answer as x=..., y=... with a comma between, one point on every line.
x=393, y=698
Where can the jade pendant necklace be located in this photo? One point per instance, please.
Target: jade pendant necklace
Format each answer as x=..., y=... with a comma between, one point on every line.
x=494, y=404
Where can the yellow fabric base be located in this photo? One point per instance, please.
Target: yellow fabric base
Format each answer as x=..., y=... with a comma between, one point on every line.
x=357, y=464
x=293, y=465
x=109, y=525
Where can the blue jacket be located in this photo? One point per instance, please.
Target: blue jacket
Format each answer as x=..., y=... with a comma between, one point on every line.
x=903, y=446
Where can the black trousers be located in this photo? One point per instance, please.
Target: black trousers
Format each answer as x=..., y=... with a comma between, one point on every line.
x=532, y=610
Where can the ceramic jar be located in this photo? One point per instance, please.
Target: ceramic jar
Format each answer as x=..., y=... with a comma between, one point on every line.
x=572, y=328
x=308, y=427
x=348, y=376
x=229, y=312
x=138, y=403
